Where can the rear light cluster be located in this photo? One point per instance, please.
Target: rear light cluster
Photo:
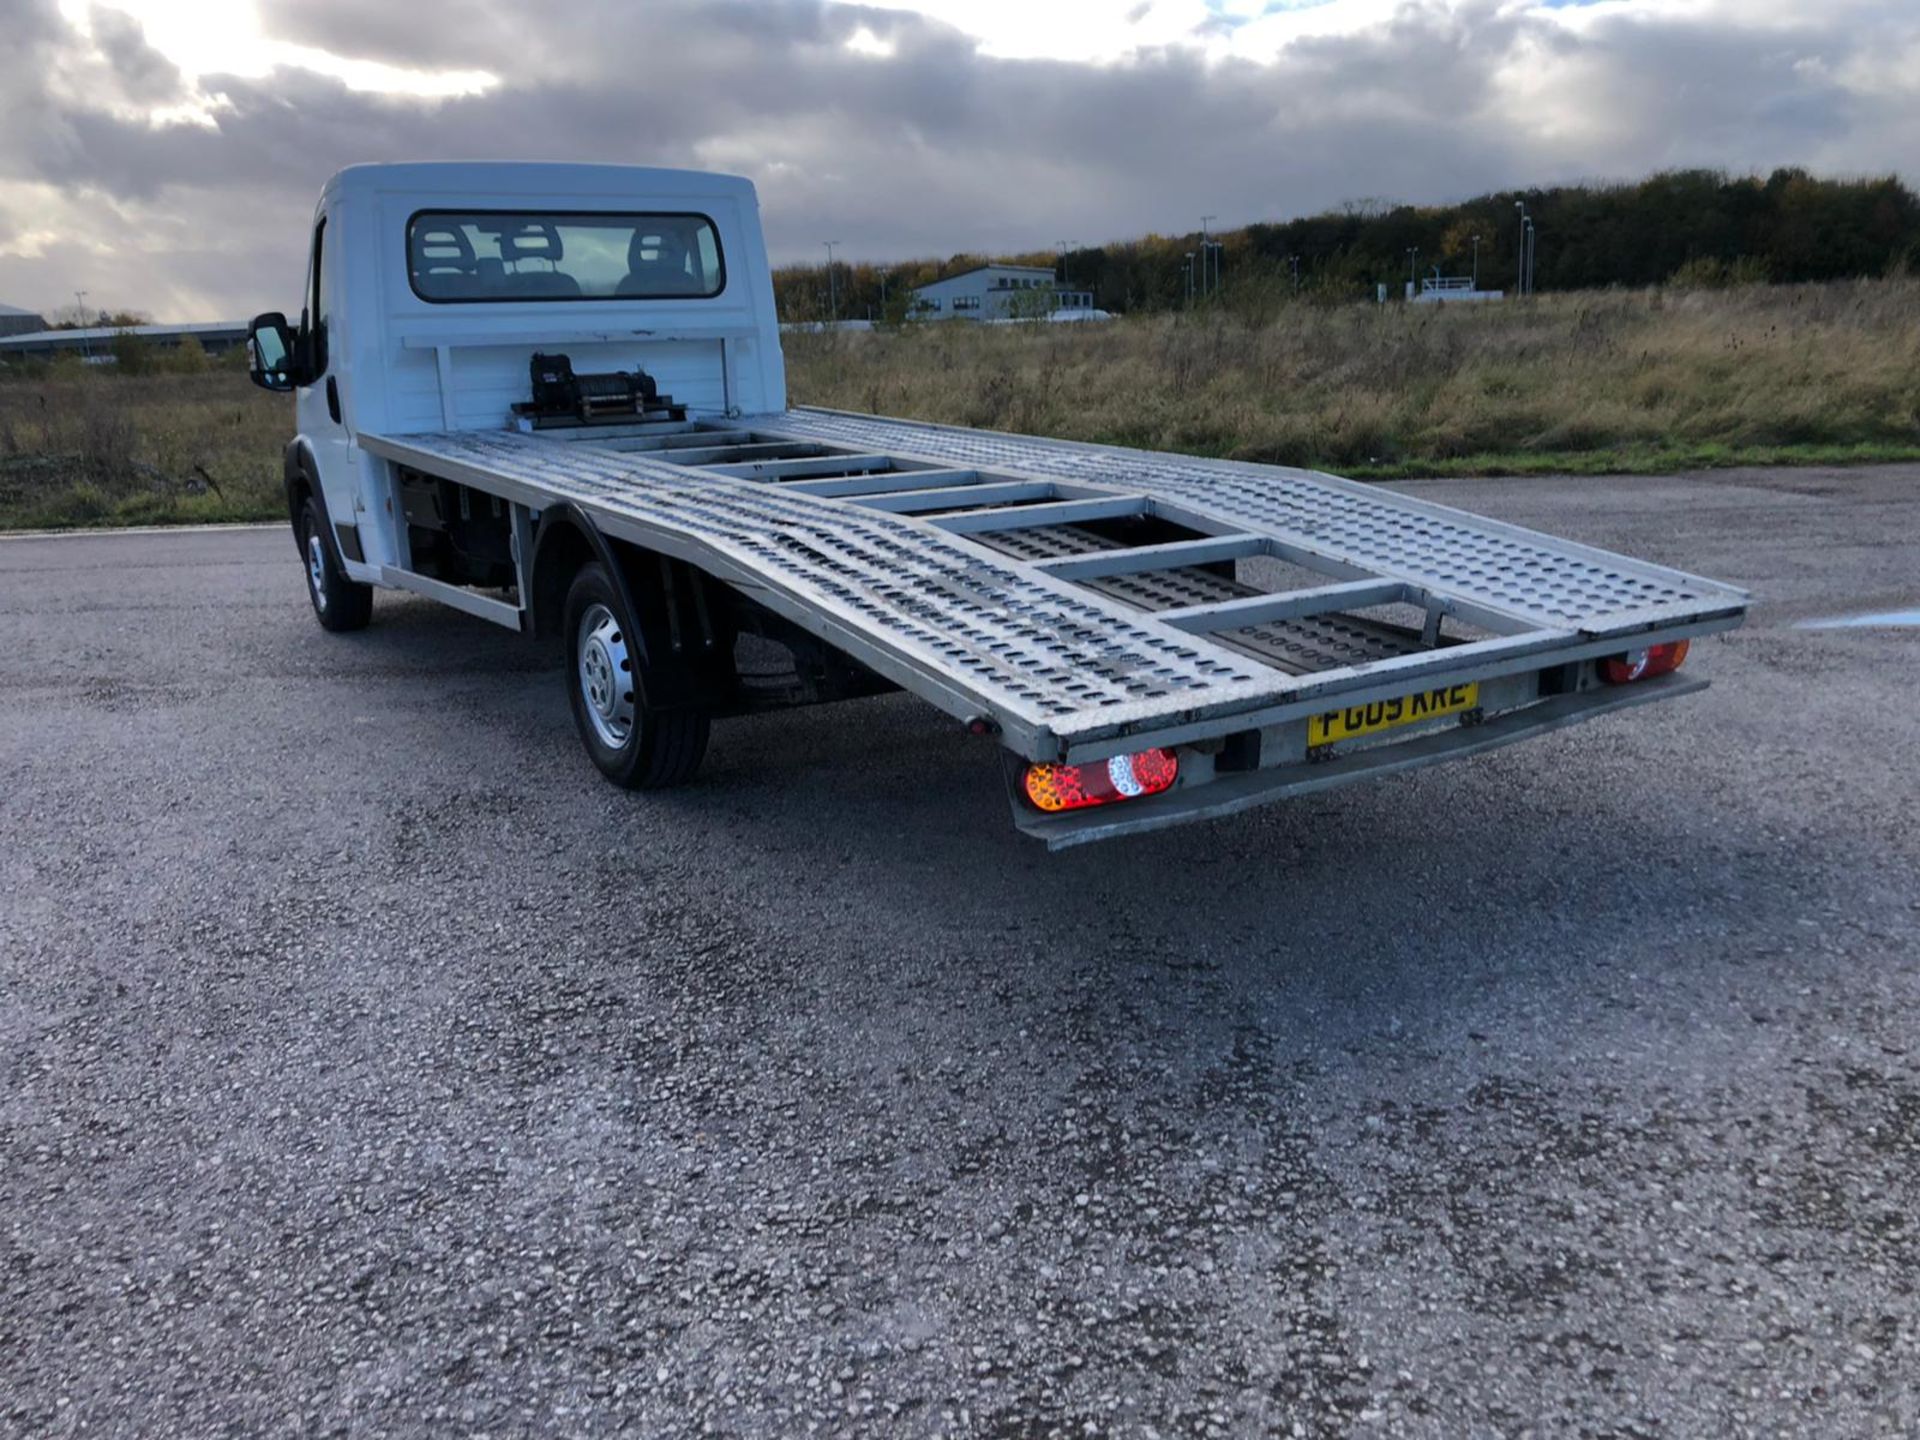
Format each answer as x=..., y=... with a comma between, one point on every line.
x=1643, y=664
x=1101, y=782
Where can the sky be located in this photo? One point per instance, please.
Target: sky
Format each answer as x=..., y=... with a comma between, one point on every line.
x=164, y=155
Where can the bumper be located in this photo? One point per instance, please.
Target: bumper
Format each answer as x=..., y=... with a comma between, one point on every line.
x=1230, y=793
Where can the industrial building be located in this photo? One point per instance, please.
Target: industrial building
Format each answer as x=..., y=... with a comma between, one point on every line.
x=96, y=341
x=15, y=321
x=997, y=292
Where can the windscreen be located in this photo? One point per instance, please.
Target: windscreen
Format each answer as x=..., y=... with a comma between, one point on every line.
x=455, y=256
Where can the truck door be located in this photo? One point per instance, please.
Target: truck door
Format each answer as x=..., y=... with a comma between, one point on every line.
x=317, y=406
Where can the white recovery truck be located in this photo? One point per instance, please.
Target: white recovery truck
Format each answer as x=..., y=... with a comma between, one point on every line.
x=552, y=396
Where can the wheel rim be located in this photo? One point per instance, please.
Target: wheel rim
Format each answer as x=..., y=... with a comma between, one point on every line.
x=604, y=670
x=317, y=570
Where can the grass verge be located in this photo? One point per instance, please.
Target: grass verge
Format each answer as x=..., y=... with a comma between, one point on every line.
x=1596, y=383
x=96, y=448
x=1637, y=460
x=1582, y=382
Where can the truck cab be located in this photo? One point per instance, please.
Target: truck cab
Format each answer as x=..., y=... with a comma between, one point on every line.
x=430, y=285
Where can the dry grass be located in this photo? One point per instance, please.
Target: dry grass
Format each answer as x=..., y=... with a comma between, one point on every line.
x=97, y=448
x=1588, y=381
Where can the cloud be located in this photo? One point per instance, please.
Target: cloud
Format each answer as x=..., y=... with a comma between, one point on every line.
x=145, y=75
x=901, y=134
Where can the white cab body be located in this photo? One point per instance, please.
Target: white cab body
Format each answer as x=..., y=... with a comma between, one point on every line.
x=400, y=364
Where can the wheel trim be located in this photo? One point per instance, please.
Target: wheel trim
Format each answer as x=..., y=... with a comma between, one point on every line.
x=317, y=569
x=603, y=669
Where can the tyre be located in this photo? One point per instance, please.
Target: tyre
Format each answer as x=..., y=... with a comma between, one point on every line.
x=637, y=744
x=338, y=603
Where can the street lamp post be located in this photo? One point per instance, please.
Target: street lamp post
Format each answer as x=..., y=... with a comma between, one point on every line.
x=1520, y=270
x=1413, y=263
x=80, y=314
x=1205, y=250
x=833, y=291
x=1533, y=237
x=1476, y=262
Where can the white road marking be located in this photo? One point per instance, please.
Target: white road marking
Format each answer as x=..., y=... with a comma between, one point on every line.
x=1857, y=622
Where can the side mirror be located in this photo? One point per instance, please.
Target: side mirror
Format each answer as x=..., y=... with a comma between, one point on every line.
x=270, y=353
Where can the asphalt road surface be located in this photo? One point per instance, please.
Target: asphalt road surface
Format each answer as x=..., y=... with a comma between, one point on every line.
x=369, y=1067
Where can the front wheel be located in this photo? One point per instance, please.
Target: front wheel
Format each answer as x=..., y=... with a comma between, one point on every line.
x=338, y=602
x=637, y=744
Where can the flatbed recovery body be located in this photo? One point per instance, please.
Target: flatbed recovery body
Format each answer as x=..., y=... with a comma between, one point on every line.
x=960, y=565
x=1276, y=630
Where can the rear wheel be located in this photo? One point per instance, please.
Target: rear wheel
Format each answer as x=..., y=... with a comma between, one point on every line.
x=637, y=744
x=338, y=602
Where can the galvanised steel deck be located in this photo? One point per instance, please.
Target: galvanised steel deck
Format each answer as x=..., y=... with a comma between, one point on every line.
x=1522, y=572
x=923, y=551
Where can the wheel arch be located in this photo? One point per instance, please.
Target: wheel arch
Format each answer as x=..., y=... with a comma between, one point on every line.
x=563, y=542
x=682, y=630
x=301, y=477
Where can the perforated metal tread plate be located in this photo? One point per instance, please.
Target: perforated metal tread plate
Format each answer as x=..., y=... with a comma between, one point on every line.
x=1301, y=646
x=976, y=631
x=1535, y=577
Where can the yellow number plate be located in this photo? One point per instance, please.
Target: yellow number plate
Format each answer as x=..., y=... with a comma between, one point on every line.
x=1385, y=714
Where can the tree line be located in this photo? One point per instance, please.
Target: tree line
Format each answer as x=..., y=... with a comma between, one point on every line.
x=1686, y=226
x=73, y=317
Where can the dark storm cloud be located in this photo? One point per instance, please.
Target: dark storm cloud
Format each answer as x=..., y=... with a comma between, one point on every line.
x=933, y=149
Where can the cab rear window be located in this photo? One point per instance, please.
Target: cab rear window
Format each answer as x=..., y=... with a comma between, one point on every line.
x=456, y=256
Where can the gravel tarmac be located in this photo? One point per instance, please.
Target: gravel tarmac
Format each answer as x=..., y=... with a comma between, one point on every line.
x=369, y=1067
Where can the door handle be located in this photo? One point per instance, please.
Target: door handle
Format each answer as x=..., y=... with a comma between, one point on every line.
x=333, y=399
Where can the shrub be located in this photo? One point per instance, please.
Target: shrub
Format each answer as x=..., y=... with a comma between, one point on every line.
x=1709, y=273
x=189, y=357
x=132, y=354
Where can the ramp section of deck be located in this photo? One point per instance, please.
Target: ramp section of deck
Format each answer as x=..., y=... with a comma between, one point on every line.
x=1046, y=658
x=1534, y=577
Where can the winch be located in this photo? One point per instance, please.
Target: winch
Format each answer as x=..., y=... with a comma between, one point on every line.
x=560, y=395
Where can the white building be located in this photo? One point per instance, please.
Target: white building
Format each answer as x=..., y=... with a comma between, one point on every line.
x=1436, y=288
x=997, y=292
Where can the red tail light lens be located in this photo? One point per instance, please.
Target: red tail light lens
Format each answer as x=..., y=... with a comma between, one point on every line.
x=1101, y=782
x=1643, y=664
